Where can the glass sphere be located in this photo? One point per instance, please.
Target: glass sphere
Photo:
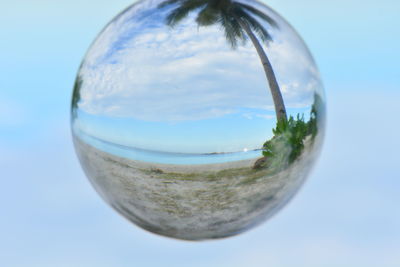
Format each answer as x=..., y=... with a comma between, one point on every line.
x=197, y=119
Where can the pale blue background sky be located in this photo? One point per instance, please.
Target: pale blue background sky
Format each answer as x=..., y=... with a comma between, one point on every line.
x=346, y=215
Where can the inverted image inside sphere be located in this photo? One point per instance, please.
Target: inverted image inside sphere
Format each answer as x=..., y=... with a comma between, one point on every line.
x=197, y=119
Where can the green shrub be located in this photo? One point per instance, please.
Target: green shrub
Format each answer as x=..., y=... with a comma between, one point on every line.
x=287, y=144
x=288, y=141
x=316, y=116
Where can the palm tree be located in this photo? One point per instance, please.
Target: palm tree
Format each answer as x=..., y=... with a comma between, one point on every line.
x=238, y=20
x=76, y=96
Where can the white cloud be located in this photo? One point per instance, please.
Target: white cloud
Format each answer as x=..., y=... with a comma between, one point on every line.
x=265, y=116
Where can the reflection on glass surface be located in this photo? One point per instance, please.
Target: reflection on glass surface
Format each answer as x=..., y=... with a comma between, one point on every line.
x=197, y=119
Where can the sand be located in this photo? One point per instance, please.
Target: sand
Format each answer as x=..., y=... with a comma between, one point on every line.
x=193, y=202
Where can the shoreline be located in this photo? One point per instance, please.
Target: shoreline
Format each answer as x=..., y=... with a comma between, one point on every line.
x=169, y=168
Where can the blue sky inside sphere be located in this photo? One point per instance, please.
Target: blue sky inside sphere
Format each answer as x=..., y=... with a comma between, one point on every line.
x=180, y=89
x=346, y=214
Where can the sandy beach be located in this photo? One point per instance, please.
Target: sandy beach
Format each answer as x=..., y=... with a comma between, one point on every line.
x=192, y=202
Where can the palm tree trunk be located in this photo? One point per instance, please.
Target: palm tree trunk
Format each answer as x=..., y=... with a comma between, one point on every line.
x=269, y=72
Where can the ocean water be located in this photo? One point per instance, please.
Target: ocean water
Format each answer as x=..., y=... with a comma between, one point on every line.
x=164, y=157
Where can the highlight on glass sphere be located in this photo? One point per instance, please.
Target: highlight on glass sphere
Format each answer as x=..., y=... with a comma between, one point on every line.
x=197, y=119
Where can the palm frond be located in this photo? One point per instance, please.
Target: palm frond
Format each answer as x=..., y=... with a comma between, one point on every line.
x=207, y=16
x=233, y=31
x=176, y=16
x=258, y=13
x=255, y=26
x=183, y=10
